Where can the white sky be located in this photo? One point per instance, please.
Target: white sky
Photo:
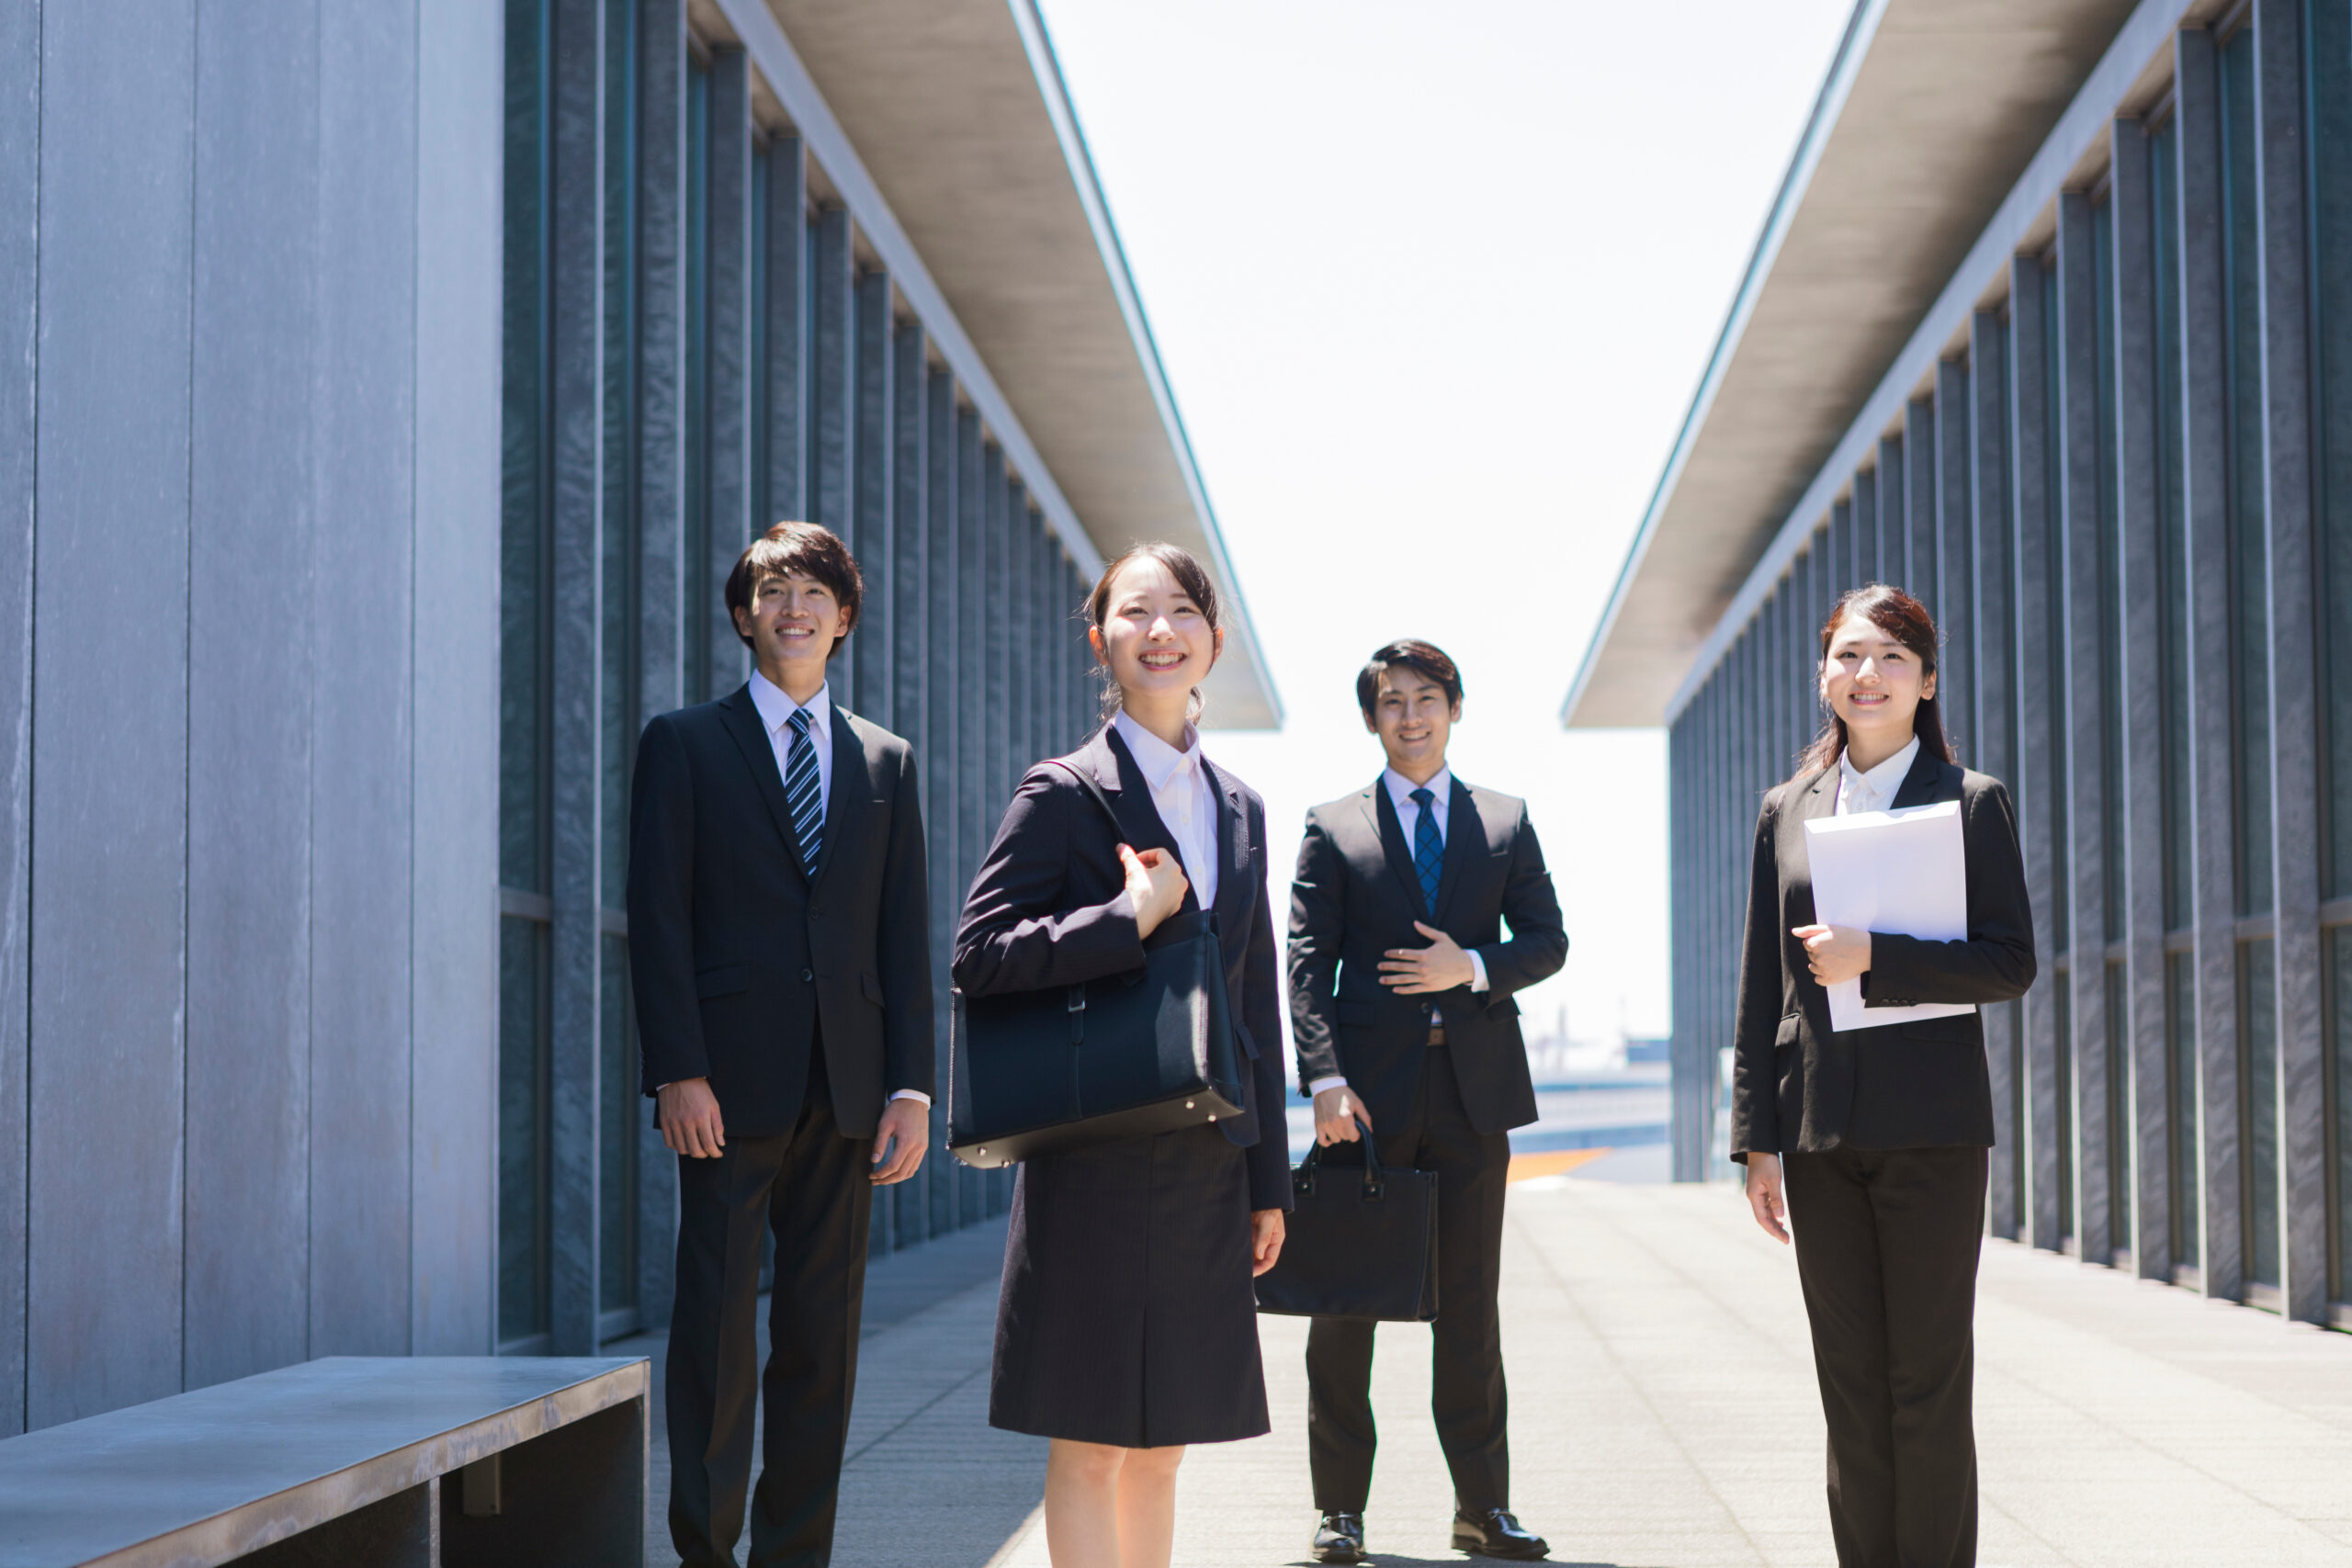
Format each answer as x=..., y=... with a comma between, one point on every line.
x=1434, y=284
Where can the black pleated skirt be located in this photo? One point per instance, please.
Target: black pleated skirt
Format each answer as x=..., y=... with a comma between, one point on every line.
x=1126, y=1315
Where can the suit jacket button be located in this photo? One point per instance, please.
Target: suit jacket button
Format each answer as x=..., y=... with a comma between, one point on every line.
x=807, y=976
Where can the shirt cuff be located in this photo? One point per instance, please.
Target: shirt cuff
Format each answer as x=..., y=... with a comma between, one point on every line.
x=1320, y=1085
x=915, y=1094
x=1477, y=971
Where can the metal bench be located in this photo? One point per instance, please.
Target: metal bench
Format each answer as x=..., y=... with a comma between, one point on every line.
x=350, y=1461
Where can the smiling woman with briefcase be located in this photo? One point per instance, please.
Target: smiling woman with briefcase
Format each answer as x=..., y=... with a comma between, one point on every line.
x=1117, y=1034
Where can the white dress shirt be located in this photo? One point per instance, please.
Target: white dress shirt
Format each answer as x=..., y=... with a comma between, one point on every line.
x=1873, y=791
x=1185, y=798
x=1408, y=816
x=776, y=709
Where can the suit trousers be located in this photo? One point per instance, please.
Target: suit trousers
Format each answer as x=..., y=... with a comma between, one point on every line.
x=1467, y=1397
x=1887, y=1242
x=810, y=1186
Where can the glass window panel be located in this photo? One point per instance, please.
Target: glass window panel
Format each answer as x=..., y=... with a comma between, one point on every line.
x=617, y=1145
x=2187, y=1143
x=522, y=443
x=2249, y=558
x=2110, y=597
x=2330, y=148
x=2260, y=1006
x=521, y=1144
x=2173, y=562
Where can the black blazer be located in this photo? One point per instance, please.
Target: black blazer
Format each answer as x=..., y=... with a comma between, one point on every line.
x=1050, y=908
x=1797, y=1085
x=736, y=956
x=1357, y=895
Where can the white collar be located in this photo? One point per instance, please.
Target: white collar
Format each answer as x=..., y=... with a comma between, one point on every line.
x=1160, y=762
x=1400, y=788
x=1883, y=780
x=777, y=707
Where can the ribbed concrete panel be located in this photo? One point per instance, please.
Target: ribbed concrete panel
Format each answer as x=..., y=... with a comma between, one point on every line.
x=454, y=844
x=1892, y=514
x=909, y=660
x=253, y=483
x=787, y=250
x=2082, y=556
x=2295, y=613
x=976, y=712
x=871, y=471
x=362, y=801
x=1867, y=568
x=1919, y=551
x=2033, y=516
x=728, y=411
x=1995, y=636
x=2212, y=771
x=19, y=289
x=110, y=798
x=1954, y=582
x=2140, y=1032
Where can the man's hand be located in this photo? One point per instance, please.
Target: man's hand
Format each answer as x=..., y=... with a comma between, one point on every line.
x=1265, y=1239
x=1337, y=1112
x=689, y=1116
x=1765, y=1197
x=1834, y=953
x=1417, y=971
x=905, y=1129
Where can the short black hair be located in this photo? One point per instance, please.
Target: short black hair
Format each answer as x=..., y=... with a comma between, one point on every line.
x=1424, y=658
x=808, y=550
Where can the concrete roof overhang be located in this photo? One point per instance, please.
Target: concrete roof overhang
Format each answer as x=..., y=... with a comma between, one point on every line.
x=956, y=113
x=1931, y=111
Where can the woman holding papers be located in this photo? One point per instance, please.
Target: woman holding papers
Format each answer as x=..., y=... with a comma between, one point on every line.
x=1870, y=1141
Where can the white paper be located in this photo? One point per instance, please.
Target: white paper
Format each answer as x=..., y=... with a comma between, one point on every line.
x=1905, y=872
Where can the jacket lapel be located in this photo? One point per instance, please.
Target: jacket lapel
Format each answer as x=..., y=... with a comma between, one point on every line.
x=1115, y=770
x=1233, y=880
x=850, y=795
x=1380, y=812
x=742, y=721
x=1465, y=834
x=1919, y=785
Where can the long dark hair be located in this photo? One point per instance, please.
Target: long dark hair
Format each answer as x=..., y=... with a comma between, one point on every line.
x=1906, y=620
x=1190, y=576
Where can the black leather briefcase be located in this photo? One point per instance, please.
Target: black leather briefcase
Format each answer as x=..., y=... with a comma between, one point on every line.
x=1356, y=1245
x=1127, y=1055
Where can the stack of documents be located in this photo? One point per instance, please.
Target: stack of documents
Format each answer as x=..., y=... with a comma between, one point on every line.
x=1905, y=872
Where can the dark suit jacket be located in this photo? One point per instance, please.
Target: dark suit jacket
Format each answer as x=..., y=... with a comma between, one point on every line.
x=1357, y=895
x=1796, y=1084
x=736, y=956
x=1050, y=908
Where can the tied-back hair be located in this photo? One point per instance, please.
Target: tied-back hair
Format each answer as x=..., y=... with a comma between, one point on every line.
x=1905, y=619
x=1191, y=577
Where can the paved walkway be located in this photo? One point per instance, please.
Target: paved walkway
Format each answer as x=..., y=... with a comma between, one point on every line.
x=1665, y=1416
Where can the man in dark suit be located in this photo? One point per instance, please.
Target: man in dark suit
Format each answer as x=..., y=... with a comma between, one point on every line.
x=779, y=951
x=1401, y=993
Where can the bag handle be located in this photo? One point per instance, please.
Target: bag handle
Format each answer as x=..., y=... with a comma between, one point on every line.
x=1375, y=1177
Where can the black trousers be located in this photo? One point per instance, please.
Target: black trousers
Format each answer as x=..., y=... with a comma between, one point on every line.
x=1887, y=1243
x=1467, y=1396
x=811, y=1187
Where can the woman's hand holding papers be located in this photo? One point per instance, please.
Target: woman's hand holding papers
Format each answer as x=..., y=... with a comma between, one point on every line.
x=1834, y=953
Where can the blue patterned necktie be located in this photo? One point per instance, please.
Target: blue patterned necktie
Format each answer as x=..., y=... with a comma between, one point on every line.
x=803, y=796
x=1429, y=849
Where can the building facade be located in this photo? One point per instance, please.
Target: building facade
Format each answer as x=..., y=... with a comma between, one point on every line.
x=397, y=383
x=2094, y=410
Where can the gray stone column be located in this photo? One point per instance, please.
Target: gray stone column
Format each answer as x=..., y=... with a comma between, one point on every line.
x=977, y=715
x=943, y=772
x=871, y=471
x=1841, y=547
x=785, y=364
x=1866, y=532
x=2082, y=556
x=1921, y=551
x=1890, y=515
x=1953, y=578
x=730, y=363
x=2295, y=608
x=20, y=64
x=2212, y=773
x=831, y=398
x=2032, y=514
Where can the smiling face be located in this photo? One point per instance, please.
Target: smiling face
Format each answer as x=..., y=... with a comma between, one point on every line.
x=1875, y=685
x=793, y=622
x=1414, y=720
x=1154, y=638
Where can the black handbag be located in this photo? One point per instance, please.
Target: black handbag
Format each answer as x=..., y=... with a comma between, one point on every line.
x=1356, y=1247
x=1125, y=1055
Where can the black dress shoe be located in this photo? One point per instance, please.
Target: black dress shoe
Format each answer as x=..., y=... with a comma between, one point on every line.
x=1339, y=1538
x=1492, y=1532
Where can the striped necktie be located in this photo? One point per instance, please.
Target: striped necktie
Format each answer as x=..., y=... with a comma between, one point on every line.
x=1429, y=849
x=802, y=795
